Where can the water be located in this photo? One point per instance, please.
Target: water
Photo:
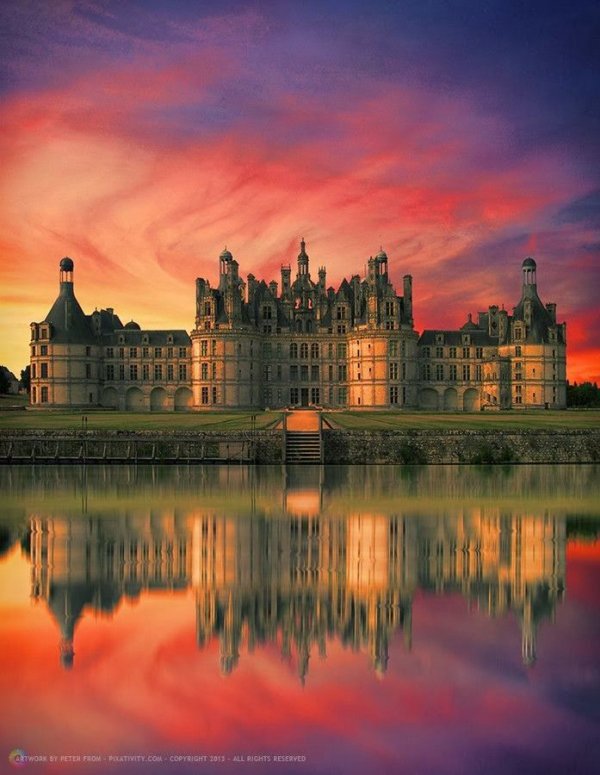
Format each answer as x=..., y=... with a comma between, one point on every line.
x=352, y=619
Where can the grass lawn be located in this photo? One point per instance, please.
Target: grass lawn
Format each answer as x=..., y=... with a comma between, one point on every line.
x=512, y=420
x=142, y=421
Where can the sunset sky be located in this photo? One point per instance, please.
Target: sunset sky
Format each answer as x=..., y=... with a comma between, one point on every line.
x=140, y=137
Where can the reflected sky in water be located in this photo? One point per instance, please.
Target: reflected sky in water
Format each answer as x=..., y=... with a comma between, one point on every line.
x=365, y=619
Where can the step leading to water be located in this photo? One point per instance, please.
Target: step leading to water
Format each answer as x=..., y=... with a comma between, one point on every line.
x=303, y=447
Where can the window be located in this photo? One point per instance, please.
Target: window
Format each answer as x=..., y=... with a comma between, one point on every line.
x=214, y=346
x=169, y=352
x=330, y=350
x=342, y=396
x=330, y=372
x=207, y=307
x=182, y=372
x=439, y=372
x=314, y=373
x=452, y=352
x=88, y=370
x=478, y=372
x=404, y=371
x=121, y=352
x=267, y=373
x=315, y=395
x=133, y=372
x=293, y=373
x=294, y=394
x=157, y=371
x=518, y=332
x=304, y=350
x=425, y=352
x=88, y=350
x=34, y=395
x=43, y=349
x=170, y=372
x=342, y=372
x=518, y=351
x=393, y=347
x=479, y=352
x=267, y=312
x=214, y=395
x=426, y=371
x=304, y=373
x=214, y=370
x=466, y=352
x=293, y=350
x=158, y=352
x=393, y=371
x=341, y=350
x=439, y=352
x=267, y=349
x=204, y=348
x=110, y=353
x=33, y=371
x=204, y=371
x=44, y=370
x=394, y=394
x=314, y=350
x=453, y=372
x=390, y=309
x=133, y=352
x=145, y=352
x=341, y=329
x=466, y=372
x=122, y=372
x=182, y=352
x=204, y=395
x=146, y=372
x=341, y=313
x=44, y=395
x=110, y=372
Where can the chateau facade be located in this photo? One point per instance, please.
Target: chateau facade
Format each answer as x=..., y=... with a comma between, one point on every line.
x=258, y=345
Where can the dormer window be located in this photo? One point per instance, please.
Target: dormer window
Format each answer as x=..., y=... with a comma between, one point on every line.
x=170, y=339
x=267, y=312
x=207, y=308
x=466, y=339
x=518, y=332
x=145, y=339
x=439, y=339
x=121, y=339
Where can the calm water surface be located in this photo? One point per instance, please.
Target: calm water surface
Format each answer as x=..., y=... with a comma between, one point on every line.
x=352, y=619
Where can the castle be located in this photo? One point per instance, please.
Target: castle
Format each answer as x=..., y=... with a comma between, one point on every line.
x=255, y=345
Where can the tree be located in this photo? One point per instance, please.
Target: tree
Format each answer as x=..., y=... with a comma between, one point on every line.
x=4, y=379
x=26, y=378
x=585, y=395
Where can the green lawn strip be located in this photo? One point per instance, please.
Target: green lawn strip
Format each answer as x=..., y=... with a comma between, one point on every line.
x=426, y=421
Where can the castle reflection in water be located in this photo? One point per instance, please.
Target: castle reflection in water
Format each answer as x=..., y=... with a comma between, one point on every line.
x=299, y=557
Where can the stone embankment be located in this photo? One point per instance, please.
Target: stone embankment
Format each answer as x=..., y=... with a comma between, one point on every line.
x=266, y=446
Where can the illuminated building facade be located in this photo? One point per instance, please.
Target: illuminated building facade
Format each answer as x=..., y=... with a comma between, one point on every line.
x=259, y=345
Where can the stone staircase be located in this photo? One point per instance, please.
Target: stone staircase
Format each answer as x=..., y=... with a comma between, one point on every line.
x=303, y=447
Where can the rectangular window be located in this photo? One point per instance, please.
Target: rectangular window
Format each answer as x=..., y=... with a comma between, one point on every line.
x=279, y=373
x=315, y=395
x=158, y=372
x=145, y=352
x=34, y=395
x=214, y=346
x=214, y=395
x=183, y=352
x=466, y=372
x=304, y=373
x=121, y=352
x=44, y=395
x=426, y=371
x=439, y=372
x=466, y=352
x=425, y=352
x=341, y=350
x=158, y=352
x=122, y=372
x=170, y=372
x=404, y=371
x=43, y=349
x=394, y=394
x=169, y=352
x=214, y=369
x=294, y=395
x=314, y=375
x=330, y=350
x=342, y=372
x=204, y=347
x=182, y=372
x=267, y=312
x=390, y=309
x=133, y=352
x=293, y=373
x=518, y=351
x=330, y=372
x=439, y=352
x=394, y=371
x=479, y=352
x=207, y=307
x=204, y=395
x=146, y=372
x=478, y=372
x=453, y=372
x=44, y=370
x=267, y=372
x=133, y=372
x=33, y=371
x=110, y=372
x=88, y=370
x=204, y=371
x=33, y=349
x=342, y=396
x=110, y=353
x=88, y=350
x=452, y=352
x=393, y=347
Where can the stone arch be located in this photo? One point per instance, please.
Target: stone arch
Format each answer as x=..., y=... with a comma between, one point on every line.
x=428, y=399
x=158, y=400
x=134, y=400
x=110, y=398
x=183, y=399
x=471, y=400
x=450, y=399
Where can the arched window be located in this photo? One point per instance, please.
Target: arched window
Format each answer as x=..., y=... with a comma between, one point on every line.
x=304, y=350
x=314, y=350
x=293, y=350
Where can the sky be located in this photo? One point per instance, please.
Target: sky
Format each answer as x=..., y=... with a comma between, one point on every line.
x=141, y=137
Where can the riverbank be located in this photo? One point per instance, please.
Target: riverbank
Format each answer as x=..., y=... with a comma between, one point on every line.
x=408, y=447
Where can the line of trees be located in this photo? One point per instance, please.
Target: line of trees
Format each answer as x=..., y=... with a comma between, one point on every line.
x=584, y=395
